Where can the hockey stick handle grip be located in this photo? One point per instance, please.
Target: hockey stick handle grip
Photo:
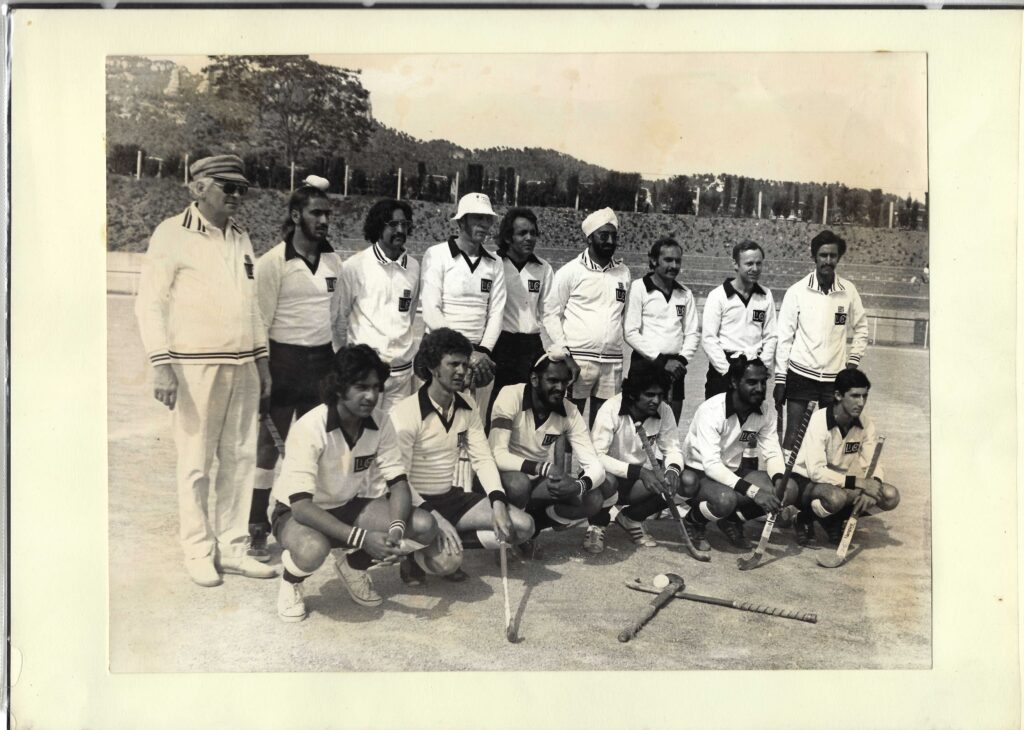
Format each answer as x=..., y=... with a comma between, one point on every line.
x=811, y=618
x=875, y=457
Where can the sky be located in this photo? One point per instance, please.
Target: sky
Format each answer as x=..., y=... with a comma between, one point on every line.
x=859, y=119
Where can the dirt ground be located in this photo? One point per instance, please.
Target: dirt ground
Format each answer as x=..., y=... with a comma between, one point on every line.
x=874, y=612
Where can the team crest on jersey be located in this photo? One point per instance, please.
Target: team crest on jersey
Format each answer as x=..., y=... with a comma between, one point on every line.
x=852, y=448
x=485, y=285
x=362, y=463
x=840, y=316
x=758, y=315
x=405, y=301
x=748, y=437
x=680, y=310
x=331, y=281
x=620, y=293
x=549, y=438
x=248, y=266
x=533, y=285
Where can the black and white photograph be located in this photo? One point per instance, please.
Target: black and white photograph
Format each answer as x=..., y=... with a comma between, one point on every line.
x=700, y=248
x=400, y=367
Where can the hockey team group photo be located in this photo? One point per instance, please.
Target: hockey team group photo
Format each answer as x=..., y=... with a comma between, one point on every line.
x=538, y=362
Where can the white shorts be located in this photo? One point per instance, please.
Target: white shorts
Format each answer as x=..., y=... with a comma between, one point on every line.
x=598, y=379
x=399, y=385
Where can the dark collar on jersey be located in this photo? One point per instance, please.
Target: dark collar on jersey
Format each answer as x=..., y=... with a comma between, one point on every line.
x=427, y=407
x=334, y=420
x=830, y=419
x=528, y=401
x=531, y=259
x=730, y=290
x=456, y=251
x=383, y=259
x=290, y=252
x=730, y=411
x=651, y=286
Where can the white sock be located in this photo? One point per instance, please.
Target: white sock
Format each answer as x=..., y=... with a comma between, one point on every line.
x=706, y=511
x=264, y=478
x=819, y=509
x=291, y=567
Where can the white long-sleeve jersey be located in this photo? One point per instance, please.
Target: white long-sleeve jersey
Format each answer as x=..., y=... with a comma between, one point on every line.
x=519, y=443
x=661, y=324
x=298, y=305
x=377, y=304
x=813, y=327
x=717, y=440
x=619, y=446
x=733, y=325
x=530, y=306
x=466, y=296
x=828, y=457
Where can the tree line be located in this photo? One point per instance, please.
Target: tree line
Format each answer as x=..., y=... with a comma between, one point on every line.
x=280, y=111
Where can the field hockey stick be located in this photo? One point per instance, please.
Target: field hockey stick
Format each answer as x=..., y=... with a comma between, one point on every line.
x=696, y=554
x=675, y=585
x=510, y=633
x=274, y=434
x=754, y=558
x=834, y=560
x=811, y=618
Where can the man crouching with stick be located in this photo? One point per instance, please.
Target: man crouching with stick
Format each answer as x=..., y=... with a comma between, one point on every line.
x=331, y=493
x=431, y=431
x=528, y=423
x=641, y=488
x=727, y=434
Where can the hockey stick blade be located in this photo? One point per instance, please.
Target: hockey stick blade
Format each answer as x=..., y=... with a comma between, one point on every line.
x=752, y=560
x=834, y=560
x=703, y=556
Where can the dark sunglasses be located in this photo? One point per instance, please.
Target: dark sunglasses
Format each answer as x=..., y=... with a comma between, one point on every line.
x=230, y=188
x=395, y=225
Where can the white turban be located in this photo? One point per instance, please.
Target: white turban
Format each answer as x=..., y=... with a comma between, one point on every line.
x=599, y=218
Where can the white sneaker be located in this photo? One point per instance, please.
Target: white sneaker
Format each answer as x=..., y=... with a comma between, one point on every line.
x=244, y=565
x=291, y=607
x=357, y=583
x=202, y=571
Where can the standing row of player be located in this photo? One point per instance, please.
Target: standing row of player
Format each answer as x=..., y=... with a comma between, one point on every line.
x=209, y=315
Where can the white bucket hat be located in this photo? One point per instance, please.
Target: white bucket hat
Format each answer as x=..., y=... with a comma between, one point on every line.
x=474, y=204
x=599, y=218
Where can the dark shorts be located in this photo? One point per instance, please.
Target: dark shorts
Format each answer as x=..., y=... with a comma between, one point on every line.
x=453, y=504
x=716, y=383
x=295, y=372
x=347, y=513
x=803, y=389
x=514, y=355
x=677, y=389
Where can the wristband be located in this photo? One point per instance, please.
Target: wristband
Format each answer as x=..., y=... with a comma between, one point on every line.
x=399, y=525
x=356, y=537
x=497, y=496
x=850, y=482
x=752, y=490
x=673, y=467
x=583, y=487
x=543, y=468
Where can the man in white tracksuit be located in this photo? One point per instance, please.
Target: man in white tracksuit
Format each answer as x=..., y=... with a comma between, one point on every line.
x=202, y=331
x=818, y=314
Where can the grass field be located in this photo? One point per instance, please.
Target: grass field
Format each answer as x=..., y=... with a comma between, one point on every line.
x=874, y=612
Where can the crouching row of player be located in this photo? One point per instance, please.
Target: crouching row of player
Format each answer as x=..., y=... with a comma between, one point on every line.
x=345, y=480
